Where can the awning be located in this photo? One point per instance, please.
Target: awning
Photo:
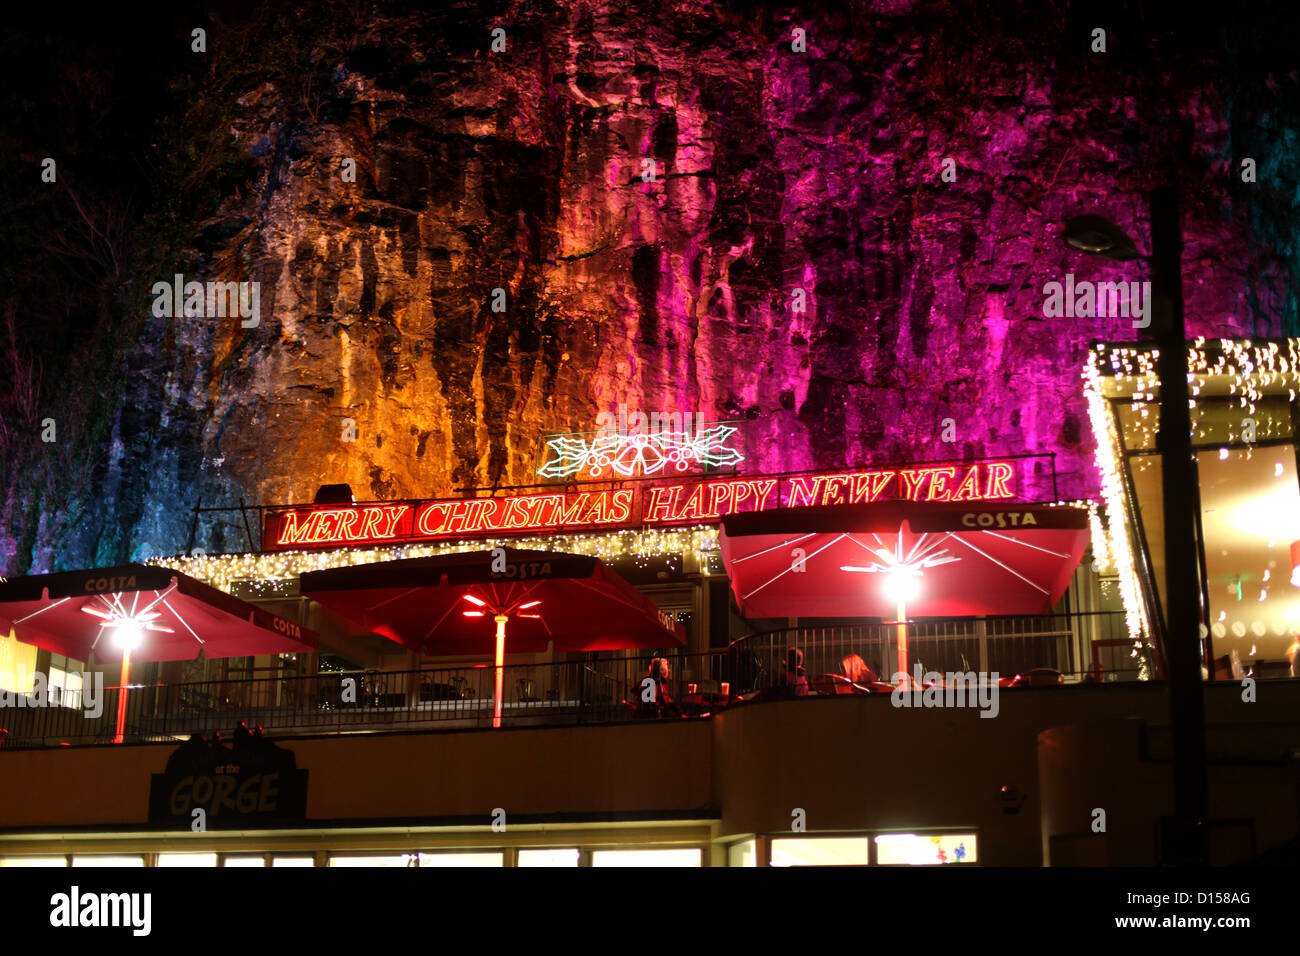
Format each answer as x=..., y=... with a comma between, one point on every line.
x=174, y=615
x=463, y=604
x=951, y=560
x=421, y=602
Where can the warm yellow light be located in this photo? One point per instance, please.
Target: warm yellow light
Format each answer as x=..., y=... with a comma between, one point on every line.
x=902, y=584
x=128, y=634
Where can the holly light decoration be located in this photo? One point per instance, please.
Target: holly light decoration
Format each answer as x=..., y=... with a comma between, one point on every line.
x=631, y=456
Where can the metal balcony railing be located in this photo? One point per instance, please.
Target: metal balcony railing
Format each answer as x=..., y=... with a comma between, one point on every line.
x=591, y=689
x=598, y=688
x=1075, y=645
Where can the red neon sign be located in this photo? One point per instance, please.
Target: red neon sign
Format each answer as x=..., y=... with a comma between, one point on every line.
x=664, y=504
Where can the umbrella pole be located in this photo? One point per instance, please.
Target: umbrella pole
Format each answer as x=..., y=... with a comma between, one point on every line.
x=121, y=696
x=501, y=660
x=901, y=639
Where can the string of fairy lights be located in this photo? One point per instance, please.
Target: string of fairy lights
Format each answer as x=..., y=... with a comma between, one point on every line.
x=1243, y=373
x=262, y=572
x=1253, y=386
x=1117, y=547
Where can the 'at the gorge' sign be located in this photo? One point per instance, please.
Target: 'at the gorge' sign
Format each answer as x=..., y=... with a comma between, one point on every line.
x=653, y=504
x=250, y=782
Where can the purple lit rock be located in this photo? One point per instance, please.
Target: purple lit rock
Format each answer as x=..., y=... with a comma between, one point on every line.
x=776, y=171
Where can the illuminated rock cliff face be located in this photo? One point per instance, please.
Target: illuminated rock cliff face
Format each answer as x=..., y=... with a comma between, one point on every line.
x=799, y=261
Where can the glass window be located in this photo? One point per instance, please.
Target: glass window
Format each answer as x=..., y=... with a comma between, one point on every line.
x=1217, y=422
x=462, y=859
x=65, y=680
x=1146, y=472
x=567, y=856
x=742, y=854
x=925, y=849
x=108, y=861
x=821, y=851
x=33, y=861
x=17, y=664
x=1250, y=516
x=392, y=861
x=243, y=861
x=684, y=857
x=1138, y=424
x=1214, y=422
x=292, y=861
x=72, y=684
x=187, y=859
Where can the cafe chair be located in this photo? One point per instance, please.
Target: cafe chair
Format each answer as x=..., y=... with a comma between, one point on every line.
x=837, y=684
x=1272, y=668
x=824, y=685
x=1035, y=677
x=431, y=690
x=527, y=692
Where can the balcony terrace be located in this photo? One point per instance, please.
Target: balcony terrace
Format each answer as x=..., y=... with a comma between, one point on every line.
x=586, y=689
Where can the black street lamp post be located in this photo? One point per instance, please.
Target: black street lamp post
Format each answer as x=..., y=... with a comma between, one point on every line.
x=1182, y=595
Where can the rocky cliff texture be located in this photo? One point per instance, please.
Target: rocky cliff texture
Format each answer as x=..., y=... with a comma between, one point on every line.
x=783, y=175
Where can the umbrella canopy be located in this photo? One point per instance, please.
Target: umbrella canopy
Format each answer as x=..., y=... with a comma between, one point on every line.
x=172, y=615
x=951, y=560
x=420, y=602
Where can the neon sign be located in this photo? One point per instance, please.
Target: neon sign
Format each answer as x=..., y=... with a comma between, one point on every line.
x=659, y=503
x=646, y=455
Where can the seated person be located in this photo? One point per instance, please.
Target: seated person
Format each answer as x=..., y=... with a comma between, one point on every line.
x=857, y=671
x=793, y=681
x=662, y=705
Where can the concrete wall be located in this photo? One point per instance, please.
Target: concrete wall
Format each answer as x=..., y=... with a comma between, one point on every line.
x=851, y=763
x=579, y=770
x=1105, y=766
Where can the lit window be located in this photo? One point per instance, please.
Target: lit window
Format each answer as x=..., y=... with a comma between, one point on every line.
x=405, y=860
x=33, y=861
x=293, y=861
x=462, y=859
x=645, y=858
x=72, y=685
x=1250, y=515
x=244, y=861
x=187, y=859
x=821, y=851
x=17, y=664
x=925, y=849
x=742, y=854
x=65, y=680
x=549, y=857
x=108, y=861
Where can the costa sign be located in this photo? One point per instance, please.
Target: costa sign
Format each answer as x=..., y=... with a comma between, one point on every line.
x=650, y=504
x=999, y=519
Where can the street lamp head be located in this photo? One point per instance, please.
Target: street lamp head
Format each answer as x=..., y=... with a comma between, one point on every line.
x=1098, y=236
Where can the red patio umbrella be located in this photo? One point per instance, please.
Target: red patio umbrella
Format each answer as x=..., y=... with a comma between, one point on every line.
x=884, y=560
x=141, y=612
x=447, y=604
